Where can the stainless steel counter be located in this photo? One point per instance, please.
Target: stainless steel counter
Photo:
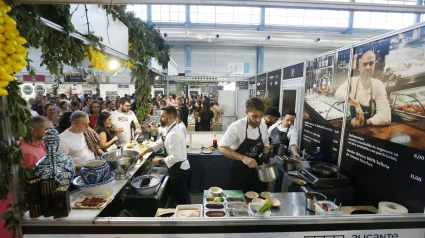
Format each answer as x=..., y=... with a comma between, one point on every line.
x=291, y=204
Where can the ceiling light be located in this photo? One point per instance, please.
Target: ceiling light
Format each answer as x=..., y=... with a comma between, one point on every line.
x=113, y=65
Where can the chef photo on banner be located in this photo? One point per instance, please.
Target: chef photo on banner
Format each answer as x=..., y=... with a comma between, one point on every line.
x=368, y=98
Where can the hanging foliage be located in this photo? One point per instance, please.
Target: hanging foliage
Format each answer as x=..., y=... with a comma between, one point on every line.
x=145, y=43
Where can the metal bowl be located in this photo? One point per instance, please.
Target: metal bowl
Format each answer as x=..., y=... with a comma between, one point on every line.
x=121, y=166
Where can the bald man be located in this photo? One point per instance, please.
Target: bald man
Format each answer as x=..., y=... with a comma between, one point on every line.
x=368, y=98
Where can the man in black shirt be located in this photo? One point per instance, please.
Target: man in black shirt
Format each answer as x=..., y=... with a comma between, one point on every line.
x=38, y=105
x=184, y=109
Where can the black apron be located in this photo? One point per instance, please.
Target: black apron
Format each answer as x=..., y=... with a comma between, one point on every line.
x=370, y=110
x=278, y=137
x=179, y=178
x=241, y=176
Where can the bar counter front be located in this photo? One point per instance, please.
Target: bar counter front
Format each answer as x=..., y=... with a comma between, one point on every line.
x=289, y=219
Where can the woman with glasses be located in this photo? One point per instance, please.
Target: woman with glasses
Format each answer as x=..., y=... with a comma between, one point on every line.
x=94, y=109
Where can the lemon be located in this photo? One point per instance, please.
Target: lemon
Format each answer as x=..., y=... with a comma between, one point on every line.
x=3, y=84
x=2, y=29
x=9, y=49
x=1, y=20
x=2, y=71
x=8, y=69
x=21, y=50
x=3, y=55
x=10, y=35
x=17, y=58
x=6, y=77
x=3, y=92
x=21, y=40
x=9, y=61
x=3, y=10
x=23, y=63
x=9, y=20
x=17, y=67
x=8, y=9
x=12, y=43
x=16, y=31
x=2, y=38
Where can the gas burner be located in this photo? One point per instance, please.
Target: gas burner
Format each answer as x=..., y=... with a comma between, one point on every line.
x=339, y=180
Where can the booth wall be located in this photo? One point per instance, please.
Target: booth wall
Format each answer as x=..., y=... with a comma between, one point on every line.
x=275, y=57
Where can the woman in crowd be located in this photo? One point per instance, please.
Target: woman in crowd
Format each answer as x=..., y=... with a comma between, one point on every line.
x=206, y=117
x=50, y=112
x=191, y=104
x=102, y=105
x=103, y=124
x=150, y=111
x=162, y=103
x=64, y=122
x=196, y=113
x=155, y=103
x=94, y=109
x=63, y=107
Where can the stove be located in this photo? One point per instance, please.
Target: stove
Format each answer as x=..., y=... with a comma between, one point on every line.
x=339, y=180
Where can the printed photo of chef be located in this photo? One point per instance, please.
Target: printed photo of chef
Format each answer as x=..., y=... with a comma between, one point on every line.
x=387, y=89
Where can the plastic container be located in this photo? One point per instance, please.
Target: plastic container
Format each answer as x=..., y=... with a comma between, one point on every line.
x=189, y=207
x=213, y=213
x=236, y=205
x=238, y=213
x=253, y=206
x=215, y=205
x=235, y=199
x=210, y=199
x=319, y=210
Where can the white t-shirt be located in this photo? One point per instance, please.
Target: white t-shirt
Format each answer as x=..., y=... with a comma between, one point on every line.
x=75, y=146
x=236, y=134
x=120, y=119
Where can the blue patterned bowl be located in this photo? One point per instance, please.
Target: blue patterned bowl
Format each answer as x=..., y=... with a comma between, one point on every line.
x=94, y=171
x=148, y=190
x=95, y=189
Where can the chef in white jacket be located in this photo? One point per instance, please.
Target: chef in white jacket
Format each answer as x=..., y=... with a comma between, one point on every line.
x=368, y=98
x=174, y=144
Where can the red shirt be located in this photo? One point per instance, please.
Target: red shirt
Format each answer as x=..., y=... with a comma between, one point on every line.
x=33, y=152
x=93, y=120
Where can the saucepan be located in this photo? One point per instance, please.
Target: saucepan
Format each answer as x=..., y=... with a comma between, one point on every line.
x=268, y=172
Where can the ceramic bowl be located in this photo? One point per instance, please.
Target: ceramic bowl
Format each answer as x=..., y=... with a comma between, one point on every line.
x=215, y=191
x=148, y=190
x=94, y=171
x=121, y=164
x=95, y=189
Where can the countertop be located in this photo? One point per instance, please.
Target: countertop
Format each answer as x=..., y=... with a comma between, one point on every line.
x=117, y=185
x=291, y=204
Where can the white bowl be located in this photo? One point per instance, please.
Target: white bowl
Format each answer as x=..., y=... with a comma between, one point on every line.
x=251, y=195
x=259, y=200
x=254, y=205
x=95, y=189
x=266, y=195
x=148, y=190
x=216, y=190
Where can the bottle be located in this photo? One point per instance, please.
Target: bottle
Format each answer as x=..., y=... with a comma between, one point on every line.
x=215, y=142
x=317, y=155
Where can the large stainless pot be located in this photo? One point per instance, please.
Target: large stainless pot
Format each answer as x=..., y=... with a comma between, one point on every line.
x=311, y=198
x=121, y=166
x=267, y=173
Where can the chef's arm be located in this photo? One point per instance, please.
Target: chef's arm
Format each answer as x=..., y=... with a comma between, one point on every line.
x=137, y=124
x=383, y=110
x=266, y=149
x=229, y=153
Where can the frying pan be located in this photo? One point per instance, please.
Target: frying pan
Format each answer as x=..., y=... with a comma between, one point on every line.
x=323, y=169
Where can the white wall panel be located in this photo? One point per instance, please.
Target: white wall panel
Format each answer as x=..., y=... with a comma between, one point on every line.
x=177, y=53
x=275, y=57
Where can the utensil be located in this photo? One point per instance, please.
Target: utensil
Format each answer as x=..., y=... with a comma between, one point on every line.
x=323, y=169
x=267, y=173
x=136, y=137
x=146, y=181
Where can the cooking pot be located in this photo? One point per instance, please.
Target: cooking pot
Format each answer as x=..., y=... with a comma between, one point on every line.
x=267, y=173
x=311, y=198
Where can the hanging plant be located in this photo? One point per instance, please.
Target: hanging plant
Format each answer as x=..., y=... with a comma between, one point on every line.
x=145, y=42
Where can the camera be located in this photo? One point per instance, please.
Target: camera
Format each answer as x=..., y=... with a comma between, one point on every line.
x=317, y=39
x=165, y=35
x=217, y=36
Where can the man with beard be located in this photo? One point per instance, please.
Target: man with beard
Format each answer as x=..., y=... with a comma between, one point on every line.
x=285, y=133
x=174, y=144
x=246, y=141
x=271, y=115
x=368, y=98
x=38, y=105
x=121, y=120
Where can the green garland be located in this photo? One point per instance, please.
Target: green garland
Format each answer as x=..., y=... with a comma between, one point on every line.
x=145, y=42
x=12, y=155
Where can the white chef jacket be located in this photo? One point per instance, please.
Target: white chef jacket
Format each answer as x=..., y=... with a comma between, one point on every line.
x=292, y=133
x=236, y=134
x=383, y=110
x=175, y=145
x=183, y=127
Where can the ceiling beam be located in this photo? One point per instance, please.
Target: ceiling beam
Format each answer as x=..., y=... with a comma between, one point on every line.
x=307, y=4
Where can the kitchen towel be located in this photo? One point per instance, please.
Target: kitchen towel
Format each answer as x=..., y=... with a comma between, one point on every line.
x=391, y=208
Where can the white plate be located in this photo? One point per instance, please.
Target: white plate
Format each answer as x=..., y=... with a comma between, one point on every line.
x=206, y=151
x=81, y=199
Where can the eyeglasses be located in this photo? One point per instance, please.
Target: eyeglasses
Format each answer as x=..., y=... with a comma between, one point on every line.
x=370, y=63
